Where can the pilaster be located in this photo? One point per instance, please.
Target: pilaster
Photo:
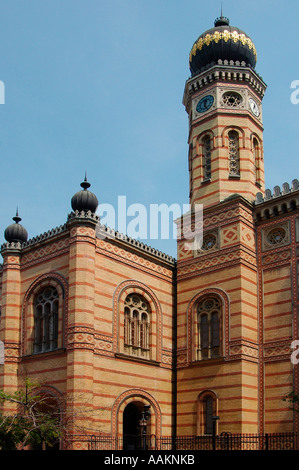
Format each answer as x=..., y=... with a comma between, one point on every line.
x=80, y=328
x=10, y=324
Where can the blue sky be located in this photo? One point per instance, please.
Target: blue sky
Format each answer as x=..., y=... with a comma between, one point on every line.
x=97, y=86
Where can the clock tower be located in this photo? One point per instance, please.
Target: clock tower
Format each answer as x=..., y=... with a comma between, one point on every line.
x=217, y=300
x=223, y=100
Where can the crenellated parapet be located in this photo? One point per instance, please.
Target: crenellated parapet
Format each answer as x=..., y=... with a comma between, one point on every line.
x=279, y=201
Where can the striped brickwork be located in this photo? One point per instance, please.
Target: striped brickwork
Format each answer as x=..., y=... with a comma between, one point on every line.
x=90, y=366
x=229, y=272
x=278, y=293
x=221, y=184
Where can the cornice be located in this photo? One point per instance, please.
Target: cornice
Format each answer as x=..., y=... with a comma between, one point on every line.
x=107, y=233
x=226, y=71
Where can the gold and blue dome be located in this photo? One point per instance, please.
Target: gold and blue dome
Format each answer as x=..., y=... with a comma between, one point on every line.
x=223, y=42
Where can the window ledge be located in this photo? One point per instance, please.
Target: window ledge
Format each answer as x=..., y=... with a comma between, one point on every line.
x=44, y=353
x=204, y=359
x=137, y=359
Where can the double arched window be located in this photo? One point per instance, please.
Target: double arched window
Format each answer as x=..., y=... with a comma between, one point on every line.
x=46, y=319
x=209, y=327
x=137, y=315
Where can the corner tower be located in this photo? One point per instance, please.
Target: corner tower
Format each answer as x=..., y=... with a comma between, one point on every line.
x=223, y=99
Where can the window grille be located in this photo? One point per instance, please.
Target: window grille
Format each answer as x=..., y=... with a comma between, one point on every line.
x=208, y=414
x=209, y=242
x=276, y=236
x=256, y=160
x=209, y=323
x=231, y=99
x=207, y=158
x=136, y=326
x=234, y=158
x=46, y=320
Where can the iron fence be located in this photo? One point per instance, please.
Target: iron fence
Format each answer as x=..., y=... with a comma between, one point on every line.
x=225, y=441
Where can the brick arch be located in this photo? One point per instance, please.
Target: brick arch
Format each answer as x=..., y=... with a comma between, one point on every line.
x=48, y=279
x=191, y=312
x=201, y=136
x=238, y=129
x=53, y=392
x=131, y=286
x=129, y=396
x=253, y=136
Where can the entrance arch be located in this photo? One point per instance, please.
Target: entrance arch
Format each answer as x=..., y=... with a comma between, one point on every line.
x=131, y=418
x=132, y=415
x=137, y=398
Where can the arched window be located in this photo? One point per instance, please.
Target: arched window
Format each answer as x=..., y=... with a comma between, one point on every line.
x=136, y=325
x=207, y=407
x=208, y=414
x=234, y=157
x=256, y=157
x=206, y=145
x=209, y=325
x=46, y=319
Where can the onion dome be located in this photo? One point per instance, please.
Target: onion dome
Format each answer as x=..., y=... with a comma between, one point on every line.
x=223, y=42
x=16, y=232
x=84, y=200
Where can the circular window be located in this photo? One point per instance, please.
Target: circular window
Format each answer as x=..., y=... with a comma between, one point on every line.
x=231, y=99
x=276, y=236
x=208, y=304
x=209, y=242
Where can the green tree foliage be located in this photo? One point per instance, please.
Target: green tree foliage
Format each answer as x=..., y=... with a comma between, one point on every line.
x=36, y=422
x=293, y=399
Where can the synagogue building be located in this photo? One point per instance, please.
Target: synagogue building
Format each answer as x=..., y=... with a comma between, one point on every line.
x=109, y=326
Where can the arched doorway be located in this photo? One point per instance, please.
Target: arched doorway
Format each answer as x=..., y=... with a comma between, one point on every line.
x=142, y=400
x=133, y=436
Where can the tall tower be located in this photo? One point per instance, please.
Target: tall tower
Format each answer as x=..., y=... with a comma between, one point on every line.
x=217, y=308
x=223, y=100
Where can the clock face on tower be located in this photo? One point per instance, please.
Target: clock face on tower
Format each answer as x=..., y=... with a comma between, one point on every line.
x=205, y=103
x=254, y=107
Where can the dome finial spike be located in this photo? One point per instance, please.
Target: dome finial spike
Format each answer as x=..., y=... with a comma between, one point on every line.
x=222, y=20
x=16, y=218
x=85, y=185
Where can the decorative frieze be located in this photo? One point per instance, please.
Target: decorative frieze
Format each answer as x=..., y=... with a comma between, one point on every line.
x=243, y=350
x=277, y=351
x=80, y=337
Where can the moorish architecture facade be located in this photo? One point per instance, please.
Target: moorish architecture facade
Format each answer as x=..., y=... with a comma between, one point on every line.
x=108, y=326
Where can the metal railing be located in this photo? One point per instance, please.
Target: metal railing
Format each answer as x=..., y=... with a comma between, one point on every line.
x=224, y=441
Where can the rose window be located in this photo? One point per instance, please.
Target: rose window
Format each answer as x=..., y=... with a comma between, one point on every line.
x=276, y=236
x=231, y=99
x=209, y=242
